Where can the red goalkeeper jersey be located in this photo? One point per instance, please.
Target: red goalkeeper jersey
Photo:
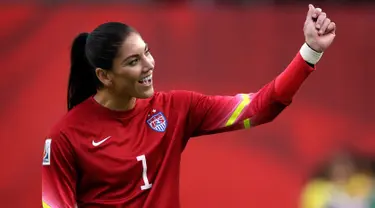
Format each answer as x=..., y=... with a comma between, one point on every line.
x=96, y=157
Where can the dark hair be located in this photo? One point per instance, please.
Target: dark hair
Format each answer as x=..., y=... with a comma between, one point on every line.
x=90, y=51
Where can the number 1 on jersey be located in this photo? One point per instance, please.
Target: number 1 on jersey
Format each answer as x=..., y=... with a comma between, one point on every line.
x=147, y=185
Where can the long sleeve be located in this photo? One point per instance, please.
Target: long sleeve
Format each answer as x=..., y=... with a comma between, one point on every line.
x=214, y=114
x=58, y=173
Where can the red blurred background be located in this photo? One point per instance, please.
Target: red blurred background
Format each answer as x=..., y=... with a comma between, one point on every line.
x=214, y=50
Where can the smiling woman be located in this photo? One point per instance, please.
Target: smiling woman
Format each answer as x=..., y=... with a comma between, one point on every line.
x=120, y=143
x=114, y=60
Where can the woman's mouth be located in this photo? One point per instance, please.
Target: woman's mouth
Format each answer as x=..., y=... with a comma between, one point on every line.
x=146, y=80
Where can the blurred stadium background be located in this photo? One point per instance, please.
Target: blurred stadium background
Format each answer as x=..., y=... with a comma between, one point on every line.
x=320, y=150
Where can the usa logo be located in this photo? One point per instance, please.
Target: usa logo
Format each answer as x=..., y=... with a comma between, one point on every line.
x=157, y=122
x=47, y=152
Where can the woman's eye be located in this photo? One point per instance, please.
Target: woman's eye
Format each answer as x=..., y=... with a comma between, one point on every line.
x=133, y=62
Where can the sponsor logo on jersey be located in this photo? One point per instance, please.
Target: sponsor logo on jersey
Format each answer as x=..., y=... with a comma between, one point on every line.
x=95, y=144
x=47, y=152
x=157, y=122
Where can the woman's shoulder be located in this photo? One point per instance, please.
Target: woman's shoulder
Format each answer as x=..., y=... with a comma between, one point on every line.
x=72, y=120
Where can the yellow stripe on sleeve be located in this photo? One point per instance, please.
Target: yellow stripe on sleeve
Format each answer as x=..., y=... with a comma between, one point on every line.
x=246, y=123
x=45, y=205
x=245, y=101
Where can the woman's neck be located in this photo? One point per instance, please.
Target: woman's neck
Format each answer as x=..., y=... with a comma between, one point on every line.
x=114, y=102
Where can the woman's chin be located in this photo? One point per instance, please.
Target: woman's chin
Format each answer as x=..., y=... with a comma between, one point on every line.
x=146, y=93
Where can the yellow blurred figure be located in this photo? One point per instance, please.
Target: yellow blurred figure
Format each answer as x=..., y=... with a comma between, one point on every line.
x=344, y=188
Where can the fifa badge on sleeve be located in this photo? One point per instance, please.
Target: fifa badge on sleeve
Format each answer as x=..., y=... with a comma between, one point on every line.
x=47, y=152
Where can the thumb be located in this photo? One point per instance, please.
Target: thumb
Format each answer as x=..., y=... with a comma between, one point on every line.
x=311, y=12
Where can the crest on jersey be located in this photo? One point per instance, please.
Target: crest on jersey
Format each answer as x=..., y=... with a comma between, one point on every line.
x=47, y=152
x=157, y=122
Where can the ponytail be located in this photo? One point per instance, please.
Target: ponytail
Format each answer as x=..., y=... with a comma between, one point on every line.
x=82, y=79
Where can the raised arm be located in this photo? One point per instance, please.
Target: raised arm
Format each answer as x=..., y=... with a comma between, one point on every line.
x=214, y=114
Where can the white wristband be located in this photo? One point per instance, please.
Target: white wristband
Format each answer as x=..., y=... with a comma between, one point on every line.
x=309, y=55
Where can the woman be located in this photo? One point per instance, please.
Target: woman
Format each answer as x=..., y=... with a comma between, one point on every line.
x=120, y=143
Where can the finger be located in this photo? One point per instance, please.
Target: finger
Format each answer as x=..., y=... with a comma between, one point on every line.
x=331, y=28
x=319, y=21
x=311, y=11
x=324, y=26
x=317, y=12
